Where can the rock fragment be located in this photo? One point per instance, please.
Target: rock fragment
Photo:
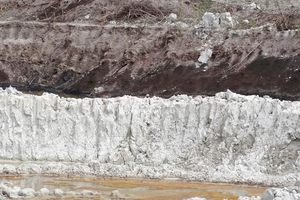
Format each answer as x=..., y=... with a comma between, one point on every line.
x=27, y=192
x=58, y=192
x=88, y=193
x=226, y=20
x=280, y=194
x=249, y=198
x=205, y=56
x=29, y=169
x=9, y=169
x=115, y=194
x=71, y=193
x=223, y=20
x=252, y=6
x=43, y=192
x=53, y=168
x=10, y=192
x=172, y=17
x=209, y=20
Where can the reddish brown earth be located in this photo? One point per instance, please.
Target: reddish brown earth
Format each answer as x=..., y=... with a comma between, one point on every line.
x=105, y=48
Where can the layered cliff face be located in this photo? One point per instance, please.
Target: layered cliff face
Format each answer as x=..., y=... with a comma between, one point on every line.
x=101, y=48
x=221, y=137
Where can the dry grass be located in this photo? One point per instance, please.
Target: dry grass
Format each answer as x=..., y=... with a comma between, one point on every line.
x=137, y=10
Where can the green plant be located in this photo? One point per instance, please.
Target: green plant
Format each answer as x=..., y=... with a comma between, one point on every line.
x=225, y=7
x=239, y=24
x=298, y=26
x=199, y=6
x=198, y=10
x=62, y=15
x=207, y=5
x=253, y=23
x=147, y=22
x=113, y=17
x=276, y=3
x=75, y=15
x=180, y=12
x=179, y=31
x=54, y=17
x=267, y=3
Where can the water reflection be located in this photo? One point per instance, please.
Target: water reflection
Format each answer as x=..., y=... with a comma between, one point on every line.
x=137, y=188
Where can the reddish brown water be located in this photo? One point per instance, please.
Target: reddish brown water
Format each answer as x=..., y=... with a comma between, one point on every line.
x=139, y=188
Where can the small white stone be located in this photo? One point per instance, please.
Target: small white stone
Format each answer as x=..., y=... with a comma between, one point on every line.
x=172, y=16
x=58, y=192
x=246, y=21
x=115, y=194
x=29, y=169
x=205, y=56
x=252, y=6
x=11, y=192
x=44, y=192
x=208, y=20
x=9, y=169
x=226, y=20
x=71, y=193
x=182, y=24
x=196, y=198
x=27, y=192
x=87, y=193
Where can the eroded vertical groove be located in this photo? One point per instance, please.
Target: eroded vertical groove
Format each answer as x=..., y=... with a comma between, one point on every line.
x=229, y=130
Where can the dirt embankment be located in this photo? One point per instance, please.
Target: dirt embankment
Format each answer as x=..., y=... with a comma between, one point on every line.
x=104, y=48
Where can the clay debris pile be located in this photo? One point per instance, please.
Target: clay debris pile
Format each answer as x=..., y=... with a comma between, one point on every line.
x=277, y=194
x=7, y=191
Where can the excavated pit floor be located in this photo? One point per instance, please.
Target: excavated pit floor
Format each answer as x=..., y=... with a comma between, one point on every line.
x=137, y=188
x=143, y=189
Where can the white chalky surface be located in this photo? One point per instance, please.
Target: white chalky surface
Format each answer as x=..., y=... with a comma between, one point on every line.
x=227, y=138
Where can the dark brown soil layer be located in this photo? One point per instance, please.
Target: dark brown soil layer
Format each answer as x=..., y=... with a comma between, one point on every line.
x=104, y=49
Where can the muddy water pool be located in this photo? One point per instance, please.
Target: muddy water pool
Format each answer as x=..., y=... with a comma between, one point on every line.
x=137, y=188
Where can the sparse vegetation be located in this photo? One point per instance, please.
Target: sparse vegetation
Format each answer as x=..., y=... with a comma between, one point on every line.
x=253, y=23
x=75, y=14
x=225, y=8
x=267, y=3
x=198, y=10
x=180, y=12
x=203, y=7
x=54, y=18
x=276, y=3
x=207, y=5
x=218, y=6
x=62, y=14
x=298, y=26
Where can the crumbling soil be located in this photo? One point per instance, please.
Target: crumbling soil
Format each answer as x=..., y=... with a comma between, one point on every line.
x=106, y=48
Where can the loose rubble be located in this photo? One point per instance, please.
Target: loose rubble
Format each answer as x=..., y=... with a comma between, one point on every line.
x=218, y=20
x=14, y=192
